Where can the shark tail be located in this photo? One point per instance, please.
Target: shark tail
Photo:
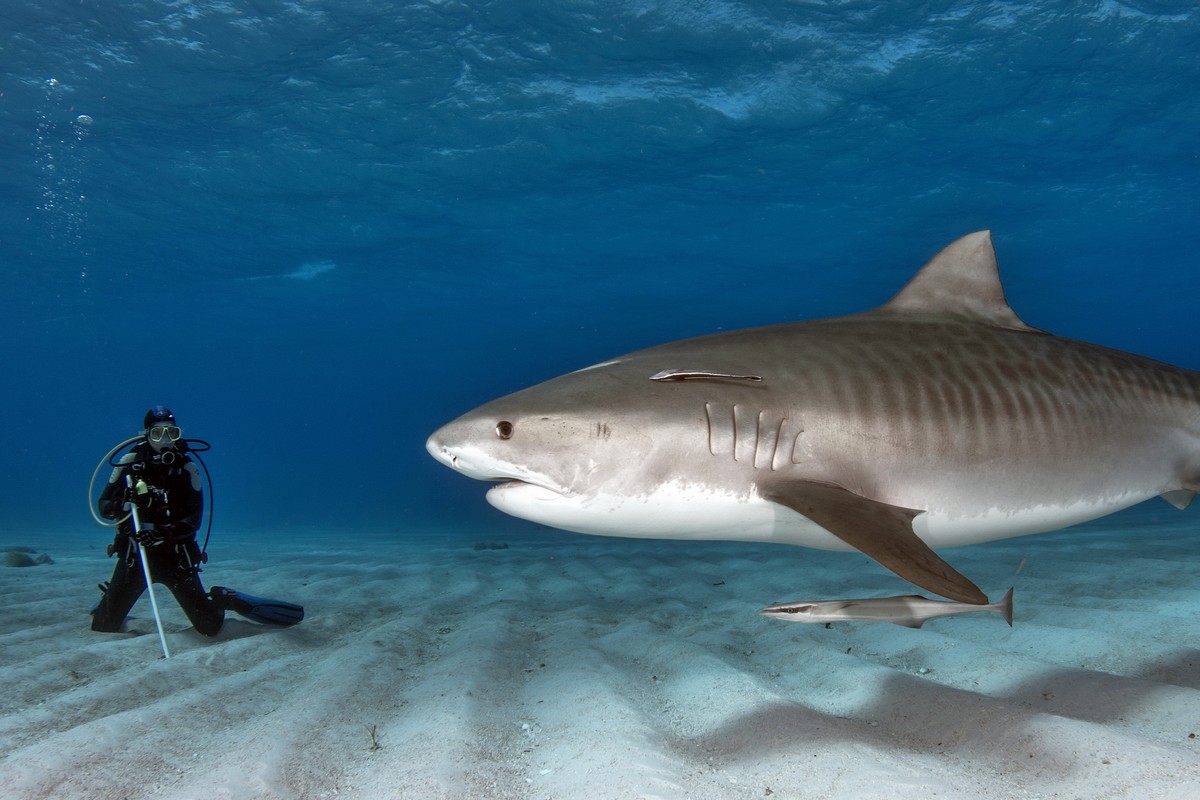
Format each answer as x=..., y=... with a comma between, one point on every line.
x=1003, y=607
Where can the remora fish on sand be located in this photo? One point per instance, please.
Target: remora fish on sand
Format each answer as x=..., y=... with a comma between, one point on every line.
x=911, y=611
x=935, y=420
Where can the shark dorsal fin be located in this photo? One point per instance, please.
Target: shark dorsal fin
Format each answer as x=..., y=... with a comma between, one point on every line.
x=960, y=281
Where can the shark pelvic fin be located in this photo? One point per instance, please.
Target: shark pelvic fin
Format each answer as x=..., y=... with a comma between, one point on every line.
x=878, y=530
x=960, y=281
x=1180, y=498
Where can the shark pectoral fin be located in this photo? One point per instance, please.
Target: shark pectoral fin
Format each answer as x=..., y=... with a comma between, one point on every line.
x=878, y=530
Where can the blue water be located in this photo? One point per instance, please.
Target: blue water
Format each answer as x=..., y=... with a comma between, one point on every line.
x=318, y=229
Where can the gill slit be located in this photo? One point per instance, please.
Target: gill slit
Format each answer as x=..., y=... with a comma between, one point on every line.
x=735, y=432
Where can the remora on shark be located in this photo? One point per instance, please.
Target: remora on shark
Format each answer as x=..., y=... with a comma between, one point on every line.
x=935, y=420
x=911, y=611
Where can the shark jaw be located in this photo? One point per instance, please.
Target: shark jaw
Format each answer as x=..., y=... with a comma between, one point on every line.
x=475, y=463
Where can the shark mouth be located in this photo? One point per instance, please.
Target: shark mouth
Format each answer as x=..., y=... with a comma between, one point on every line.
x=515, y=479
x=507, y=492
x=506, y=484
x=507, y=477
x=532, y=484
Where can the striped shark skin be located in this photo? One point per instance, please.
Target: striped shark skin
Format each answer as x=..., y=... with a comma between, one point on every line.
x=937, y=420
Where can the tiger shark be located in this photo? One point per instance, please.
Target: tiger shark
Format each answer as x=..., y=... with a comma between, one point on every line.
x=936, y=420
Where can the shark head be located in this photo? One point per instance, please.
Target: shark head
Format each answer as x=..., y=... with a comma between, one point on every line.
x=550, y=449
x=603, y=450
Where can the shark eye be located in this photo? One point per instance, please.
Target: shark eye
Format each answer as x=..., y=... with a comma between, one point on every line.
x=504, y=429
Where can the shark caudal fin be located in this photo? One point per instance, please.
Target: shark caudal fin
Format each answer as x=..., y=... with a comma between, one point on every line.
x=1004, y=606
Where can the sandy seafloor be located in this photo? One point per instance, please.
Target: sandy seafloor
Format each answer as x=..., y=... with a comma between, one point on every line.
x=573, y=667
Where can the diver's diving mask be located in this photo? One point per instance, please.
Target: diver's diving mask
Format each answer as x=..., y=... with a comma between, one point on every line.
x=157, y=433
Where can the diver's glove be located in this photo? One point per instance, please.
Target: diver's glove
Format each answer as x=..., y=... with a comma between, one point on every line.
x=142, y=495
x=149, y=538
x=141, y=501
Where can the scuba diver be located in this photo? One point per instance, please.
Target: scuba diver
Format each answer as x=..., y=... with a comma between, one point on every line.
x=156, y=500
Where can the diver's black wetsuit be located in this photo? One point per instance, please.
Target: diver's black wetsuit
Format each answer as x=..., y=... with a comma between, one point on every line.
x=173, y=512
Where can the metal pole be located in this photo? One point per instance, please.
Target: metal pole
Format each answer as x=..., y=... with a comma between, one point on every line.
x=137, y=527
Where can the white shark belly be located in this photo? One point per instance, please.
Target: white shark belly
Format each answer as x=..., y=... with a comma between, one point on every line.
x=939, y=529
x=677, y=510
x=674, y=510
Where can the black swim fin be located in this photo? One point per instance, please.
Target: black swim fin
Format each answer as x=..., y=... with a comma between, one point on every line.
x=259, y=609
